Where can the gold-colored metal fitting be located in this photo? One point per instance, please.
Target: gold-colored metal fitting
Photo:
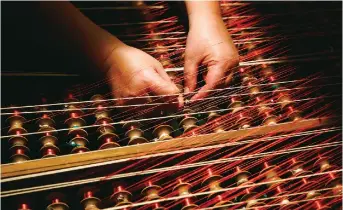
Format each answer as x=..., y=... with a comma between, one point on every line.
x=213, y=183
x=243, y=122
x=121, y=197
x=188, y=123
x=48, y=140
x=58, y=206
x=57, y=200
x=75, y=122
x=294, y=115
x=79, y=149
x=102, y=116
x=254, y=90
x=151, y=192
x=236, y=106
x=105, y=129
x=15, y=119
x=18, y=158
x=182, y=188
x=23, y=148
x=80, y=141
x=313, y=194
x=323, y=163
x=222, y=204
x=73, y=109
x=51, y=130
x=163, y=132
x=249, y=80
x=212, y=113
x=336, y=185
x=270, y=120
x=270, y=174
x=135, y=136
x=97, y=99
x=297, y=169
x=190, y=207
x=45, y=122
x=285, y=101
x=91, y=203
x=242, y=177
x=16, y=129
x=18, y=140
x=46, y=148
x=251, y=200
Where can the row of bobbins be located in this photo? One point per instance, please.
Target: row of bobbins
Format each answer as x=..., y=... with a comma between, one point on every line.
x=212, y=182
x=75, y=122
x=18, y=142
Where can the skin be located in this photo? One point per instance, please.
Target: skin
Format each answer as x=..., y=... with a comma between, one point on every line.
x=132, y=72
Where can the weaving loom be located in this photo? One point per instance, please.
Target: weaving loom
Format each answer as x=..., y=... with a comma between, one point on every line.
x=269, y=139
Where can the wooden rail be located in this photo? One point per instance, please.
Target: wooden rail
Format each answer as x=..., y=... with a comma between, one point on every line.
x=137, y=151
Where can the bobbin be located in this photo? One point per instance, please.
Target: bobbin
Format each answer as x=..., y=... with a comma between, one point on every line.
x=243, y=122
x=163, y=132
x=222, y=203
x=89, y=201
x=296, y=168
x=16, y=125
x=284, y=202
x=48, y=130
x=18, y=141
x=56, y=201
x=98, y=99
x=336, y=185
x=74, y=125
x=20, y=156
x=284, y=99
x=49, y=148
x=134, y=133
x=293, y=114
x=182, y=188
x=45, y=121
x=213, y=184
x=217, y=127
x=324, y=164
x=250, y=199
x=266, y=113
x=189, y=205
x=235, y=106
x=151, y=192
x=188, y=123
x=212, y=113
x=121, y=197
x=242, y=177
x=108, y=137
x=271, y=174
x=81, y=143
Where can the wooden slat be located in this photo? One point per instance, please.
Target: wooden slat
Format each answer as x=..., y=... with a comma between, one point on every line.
x=99, y=156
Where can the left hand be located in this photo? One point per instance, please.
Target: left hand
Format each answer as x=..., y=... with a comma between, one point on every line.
x=209, y=44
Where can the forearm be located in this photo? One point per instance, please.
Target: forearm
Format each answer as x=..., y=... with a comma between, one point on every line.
x=95, y=42
x=199, y=11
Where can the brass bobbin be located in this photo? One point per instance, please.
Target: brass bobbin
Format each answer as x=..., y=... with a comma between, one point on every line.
x=107, y=137
x=296, y=168
x=121, y=197
x=248, y=80
x=313, y=194
x=271, y=174
x=16, y=129
x=236, y=106
x=222, y=203
x=48, y=131
x=163, y=132
x=97, y=100
x=15, y=119
x=18, y=158
x=336, y=186
x=56, y=204
x=81, y=143
x=188, y=123
x=212, y=113
x=242, y=177
x=88, y=200
x=48, y=140
x=49, y=151
x=151, y=192
x=294, y=115
x=182, y=188
x=102, y=116
x=134, y=133
x=243, y=122
x=18, y=140
x=45, y=121
x=324, y=164
x=251, y=201
x=213, y=183
x=71, y=109
x=266, y=113
x=75, y=122
x=285, y=101
x=190, y=207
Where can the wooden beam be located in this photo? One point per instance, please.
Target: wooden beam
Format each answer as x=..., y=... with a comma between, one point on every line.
x=136, y=151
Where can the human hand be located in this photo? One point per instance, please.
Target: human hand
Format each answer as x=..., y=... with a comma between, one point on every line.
x=209, y=44
x=133, y=73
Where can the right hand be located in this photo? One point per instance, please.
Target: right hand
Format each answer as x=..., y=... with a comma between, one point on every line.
x=133, y=73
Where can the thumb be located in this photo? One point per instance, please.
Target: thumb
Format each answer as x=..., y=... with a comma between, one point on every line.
x=190, y=74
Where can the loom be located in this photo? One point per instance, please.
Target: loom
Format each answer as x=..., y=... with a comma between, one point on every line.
x=266, y=140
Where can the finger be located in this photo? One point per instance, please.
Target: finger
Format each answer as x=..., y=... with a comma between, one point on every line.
x=214, y=76
x=190, y=74
x=162, y=72
x=159, y=86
